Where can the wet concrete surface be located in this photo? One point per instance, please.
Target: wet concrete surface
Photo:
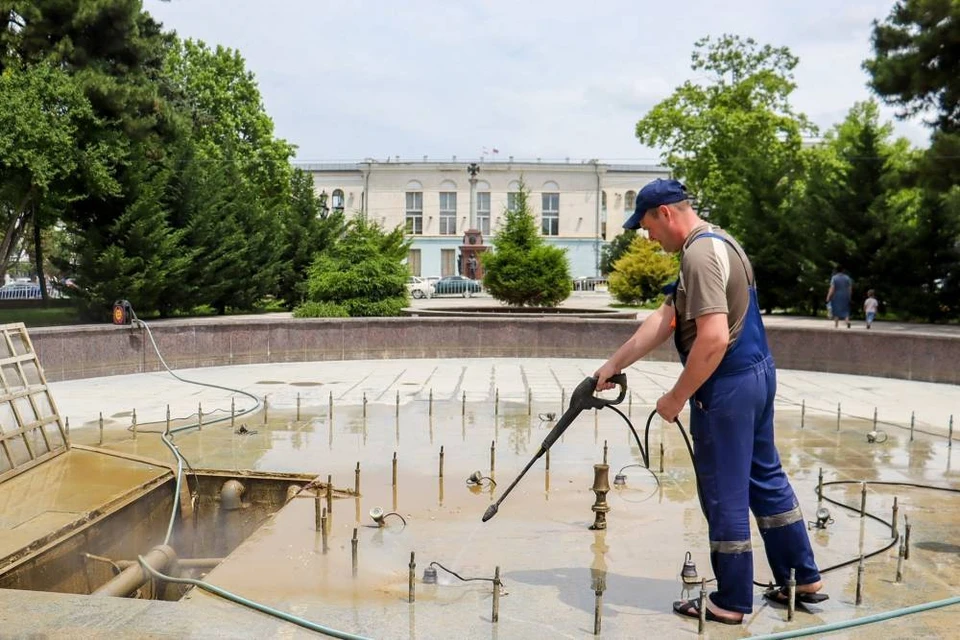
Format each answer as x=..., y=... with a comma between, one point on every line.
x=548, y=557
x=35, y=614
x=541, y=540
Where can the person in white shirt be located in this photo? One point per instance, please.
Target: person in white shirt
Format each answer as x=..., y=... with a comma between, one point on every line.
x=870, y=306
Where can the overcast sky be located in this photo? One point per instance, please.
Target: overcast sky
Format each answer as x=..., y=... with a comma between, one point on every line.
x=345, y=80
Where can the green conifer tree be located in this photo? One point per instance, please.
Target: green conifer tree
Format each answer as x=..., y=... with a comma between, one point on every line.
x=523, y=270
x=361, y=274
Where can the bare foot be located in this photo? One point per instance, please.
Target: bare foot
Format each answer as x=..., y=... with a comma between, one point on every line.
x=813, y=587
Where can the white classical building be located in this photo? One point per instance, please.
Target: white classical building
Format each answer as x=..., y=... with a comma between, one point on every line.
x=579, y=206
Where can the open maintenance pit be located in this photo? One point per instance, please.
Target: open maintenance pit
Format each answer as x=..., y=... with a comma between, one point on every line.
x=490, y=415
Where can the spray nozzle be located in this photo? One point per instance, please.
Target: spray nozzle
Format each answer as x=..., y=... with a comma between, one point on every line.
x=489, y=513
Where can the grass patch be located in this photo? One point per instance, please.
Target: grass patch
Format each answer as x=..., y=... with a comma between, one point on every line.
x=60, y=313
x=41, y=317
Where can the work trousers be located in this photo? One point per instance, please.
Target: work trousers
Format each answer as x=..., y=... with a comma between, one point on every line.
x=738, y=471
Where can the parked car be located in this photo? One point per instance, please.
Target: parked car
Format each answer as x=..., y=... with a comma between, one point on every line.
x=456, y=285
x=419, y=288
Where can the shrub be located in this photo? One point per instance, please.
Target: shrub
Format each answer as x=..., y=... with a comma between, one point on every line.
x=642, y=272
x=362, y=272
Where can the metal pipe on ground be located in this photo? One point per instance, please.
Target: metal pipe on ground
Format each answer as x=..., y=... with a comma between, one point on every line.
x=495, y=616
x=860, y=572
x=134, y=576
x=184, y=563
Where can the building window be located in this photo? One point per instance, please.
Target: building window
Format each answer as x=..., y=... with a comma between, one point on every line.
x=483, y=212
x=603, y=214
x=629, y=203
x=448, y=213
x=337, y=200
x=551, y=214
x=414, y=213
x=513, y=200
x=448, y=262
x=413, y=262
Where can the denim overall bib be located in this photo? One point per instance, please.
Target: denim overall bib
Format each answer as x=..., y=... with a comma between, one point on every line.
x=738, y=467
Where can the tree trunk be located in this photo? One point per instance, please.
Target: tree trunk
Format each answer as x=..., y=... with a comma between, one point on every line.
x=38, y=255
x=10, y=241
x=13, y=231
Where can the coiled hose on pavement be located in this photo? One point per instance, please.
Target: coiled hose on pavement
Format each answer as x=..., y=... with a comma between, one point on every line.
x=834, y=626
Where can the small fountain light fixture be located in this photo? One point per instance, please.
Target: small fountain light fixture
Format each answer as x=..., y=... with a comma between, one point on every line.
x=823, y=519
x=430, y=575
x=476, y=479
x=688, y=574
x=876, y=437
x=380, y=517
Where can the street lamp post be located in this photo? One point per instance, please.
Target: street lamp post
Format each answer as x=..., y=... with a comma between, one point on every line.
x=324, y=210
x=473, y=169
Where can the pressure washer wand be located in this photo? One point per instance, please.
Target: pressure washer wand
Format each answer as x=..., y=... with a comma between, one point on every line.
x=492, y=509
x=581, y=399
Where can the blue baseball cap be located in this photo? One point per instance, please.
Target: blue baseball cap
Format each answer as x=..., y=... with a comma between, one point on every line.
x=653, y=195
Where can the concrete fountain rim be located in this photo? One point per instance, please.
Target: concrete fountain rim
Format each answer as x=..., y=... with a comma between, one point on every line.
x=504, y=311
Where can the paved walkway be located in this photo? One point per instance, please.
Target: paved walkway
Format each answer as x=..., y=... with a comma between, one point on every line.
x=511, y=380
x=603, y=300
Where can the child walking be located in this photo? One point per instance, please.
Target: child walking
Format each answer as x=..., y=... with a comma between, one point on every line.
x=870, y=307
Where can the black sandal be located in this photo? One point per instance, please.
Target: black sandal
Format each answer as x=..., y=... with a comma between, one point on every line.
x=691, y=609
x=781, y=595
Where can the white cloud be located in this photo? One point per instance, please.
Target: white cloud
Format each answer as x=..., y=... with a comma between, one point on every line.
x=346, y=80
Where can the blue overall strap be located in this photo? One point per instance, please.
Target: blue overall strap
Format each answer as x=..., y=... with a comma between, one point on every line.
x=750, y=347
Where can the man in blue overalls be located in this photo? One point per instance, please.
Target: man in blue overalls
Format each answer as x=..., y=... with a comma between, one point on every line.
x=730, y=382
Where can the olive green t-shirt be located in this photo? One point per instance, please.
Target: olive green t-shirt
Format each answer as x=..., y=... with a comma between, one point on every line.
x=714, y=278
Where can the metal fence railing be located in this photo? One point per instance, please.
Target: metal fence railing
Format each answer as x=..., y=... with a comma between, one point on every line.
x=456, y=286
x=27, y=291
x=590, y=284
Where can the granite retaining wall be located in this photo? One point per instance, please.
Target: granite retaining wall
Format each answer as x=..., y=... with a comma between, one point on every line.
x=88, y=351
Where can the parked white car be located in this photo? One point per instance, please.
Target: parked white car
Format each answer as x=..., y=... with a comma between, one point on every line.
x=419, y=288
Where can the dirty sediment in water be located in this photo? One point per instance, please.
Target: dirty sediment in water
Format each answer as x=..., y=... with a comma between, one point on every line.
x=540, y=538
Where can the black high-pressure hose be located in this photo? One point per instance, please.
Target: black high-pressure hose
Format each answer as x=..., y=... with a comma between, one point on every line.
x=644, y=454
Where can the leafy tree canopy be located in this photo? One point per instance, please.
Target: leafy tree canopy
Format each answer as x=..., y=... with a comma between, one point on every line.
x=44, y=157
x=736, y=142
x=226, y=111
